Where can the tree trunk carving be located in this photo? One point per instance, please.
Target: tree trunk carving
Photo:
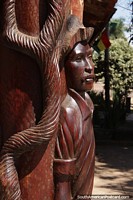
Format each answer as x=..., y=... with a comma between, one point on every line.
x=45, y=49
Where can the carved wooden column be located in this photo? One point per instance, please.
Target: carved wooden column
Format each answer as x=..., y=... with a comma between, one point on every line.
x=35, y=168
x=30, y=96
x=77, y=8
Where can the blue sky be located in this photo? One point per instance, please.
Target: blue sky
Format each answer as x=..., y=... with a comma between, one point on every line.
x=124, y=10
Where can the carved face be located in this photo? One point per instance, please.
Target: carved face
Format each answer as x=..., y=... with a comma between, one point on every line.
x=80, y=68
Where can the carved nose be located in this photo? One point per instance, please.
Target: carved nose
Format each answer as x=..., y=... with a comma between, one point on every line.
x=88, y=67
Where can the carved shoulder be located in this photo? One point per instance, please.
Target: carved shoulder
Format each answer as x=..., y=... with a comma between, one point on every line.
x=71, y=115
x=70, y=129
x=89, y=101
x=69, y=108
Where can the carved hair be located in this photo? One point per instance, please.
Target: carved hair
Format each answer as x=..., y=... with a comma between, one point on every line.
x=75, y=33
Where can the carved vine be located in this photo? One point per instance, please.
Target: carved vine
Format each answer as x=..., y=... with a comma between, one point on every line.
x=45, y=49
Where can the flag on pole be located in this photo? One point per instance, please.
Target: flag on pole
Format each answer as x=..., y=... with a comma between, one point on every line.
x=102, y=43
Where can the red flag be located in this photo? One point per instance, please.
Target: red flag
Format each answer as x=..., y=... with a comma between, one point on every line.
x=103, y=42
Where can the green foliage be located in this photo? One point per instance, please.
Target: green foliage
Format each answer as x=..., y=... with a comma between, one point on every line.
x=117, y=28
x=121, y=67
x=99, y=65
x=121, y=76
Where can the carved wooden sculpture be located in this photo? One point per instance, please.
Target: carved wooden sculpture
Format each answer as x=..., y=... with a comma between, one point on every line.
x=45, y=49
x=33, y=39
x=75, y=147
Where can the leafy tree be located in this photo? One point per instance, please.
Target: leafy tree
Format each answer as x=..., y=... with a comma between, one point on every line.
x=120, y=72
x=121, y=76
x=117, y=28
x=121, y=67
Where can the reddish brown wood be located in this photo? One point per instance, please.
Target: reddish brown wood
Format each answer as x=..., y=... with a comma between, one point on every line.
x=75, y=146
x=31, y=117
x=33, y=38
x=77, y=8
x=97, y=14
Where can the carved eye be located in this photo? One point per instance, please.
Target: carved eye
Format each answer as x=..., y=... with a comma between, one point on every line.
x=79, y=58
x=89, y=56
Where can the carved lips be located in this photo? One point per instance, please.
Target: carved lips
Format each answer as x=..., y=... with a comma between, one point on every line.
x=88, y=79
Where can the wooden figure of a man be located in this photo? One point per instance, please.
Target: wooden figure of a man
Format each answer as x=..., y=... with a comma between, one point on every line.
x=75, y=147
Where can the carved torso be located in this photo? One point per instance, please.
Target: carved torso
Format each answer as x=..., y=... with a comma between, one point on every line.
x=76, y=141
